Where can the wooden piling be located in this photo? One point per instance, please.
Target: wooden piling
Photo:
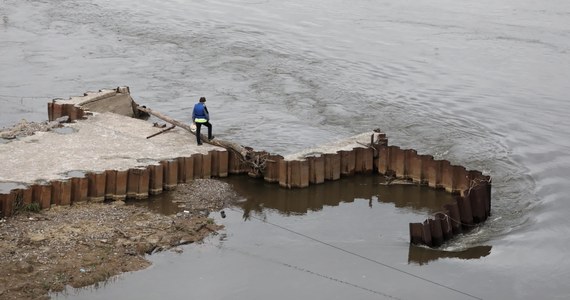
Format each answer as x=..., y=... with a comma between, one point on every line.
x=416, y=233
x=156, y=178
x=206, y=166
x=433, y=171
x=170, y=174
x=7, y=205
x=284, y=180
x=476, y=197
x=447, y=176
x=110, y=184
x=316, y=169
x=383, y=159
x=61, y=192
x=436, y=232
x=50, y=111
x=347, y=162
x=272, y=168
x=121, y=185
x=446, y=229
x=223, y=163
x=79, y=189
x=454, y=217
x=215, y=163
x=426, y=234
x=299, y=174
x=235, y=164
x=364, y=160
x=138, y=183
x=96, y=186
x=42, y=195
x=465, y=212
x=198, y=162
x=57, y=111
x=189, y=168
x=398, y=161
x=181, y=176
x=409, y=155
x=415, y=171
x=460, y=180
x=332, y=166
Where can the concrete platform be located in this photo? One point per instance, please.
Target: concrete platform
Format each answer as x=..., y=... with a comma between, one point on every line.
x=103, y=141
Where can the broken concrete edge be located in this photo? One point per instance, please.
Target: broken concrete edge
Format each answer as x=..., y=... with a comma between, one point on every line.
x=116, y=100
x=365, y=153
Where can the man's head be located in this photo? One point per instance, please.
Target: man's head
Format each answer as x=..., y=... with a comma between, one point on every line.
x=202, y=99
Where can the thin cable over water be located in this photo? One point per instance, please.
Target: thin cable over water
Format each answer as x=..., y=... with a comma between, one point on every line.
x=361, y=256
x=316, y=274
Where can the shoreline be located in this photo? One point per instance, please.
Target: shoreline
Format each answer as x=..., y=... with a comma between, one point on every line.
x=88, y=243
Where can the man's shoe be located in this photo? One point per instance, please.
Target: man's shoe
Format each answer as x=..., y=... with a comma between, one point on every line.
x=211, y=138
x=199, y=144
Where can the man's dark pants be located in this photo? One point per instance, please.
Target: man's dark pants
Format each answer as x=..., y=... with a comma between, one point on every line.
x=198, y=126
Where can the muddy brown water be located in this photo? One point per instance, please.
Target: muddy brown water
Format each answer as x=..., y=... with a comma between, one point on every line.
x=483, y=84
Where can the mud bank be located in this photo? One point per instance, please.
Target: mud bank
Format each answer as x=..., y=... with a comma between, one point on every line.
x=88, y=243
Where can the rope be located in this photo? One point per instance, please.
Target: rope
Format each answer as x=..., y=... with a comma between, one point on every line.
x=363, y=257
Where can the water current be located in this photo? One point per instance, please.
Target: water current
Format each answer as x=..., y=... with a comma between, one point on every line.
x=483, y=84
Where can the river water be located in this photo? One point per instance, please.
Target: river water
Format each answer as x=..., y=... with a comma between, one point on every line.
x=483, y=84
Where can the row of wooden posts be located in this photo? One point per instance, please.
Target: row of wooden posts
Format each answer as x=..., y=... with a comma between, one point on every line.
x=472, y=203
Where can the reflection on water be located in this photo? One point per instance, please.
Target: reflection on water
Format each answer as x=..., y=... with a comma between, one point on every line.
x=423, y=255
x=259, y=195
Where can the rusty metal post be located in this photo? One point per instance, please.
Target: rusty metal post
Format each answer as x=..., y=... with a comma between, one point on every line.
x=206, y=166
